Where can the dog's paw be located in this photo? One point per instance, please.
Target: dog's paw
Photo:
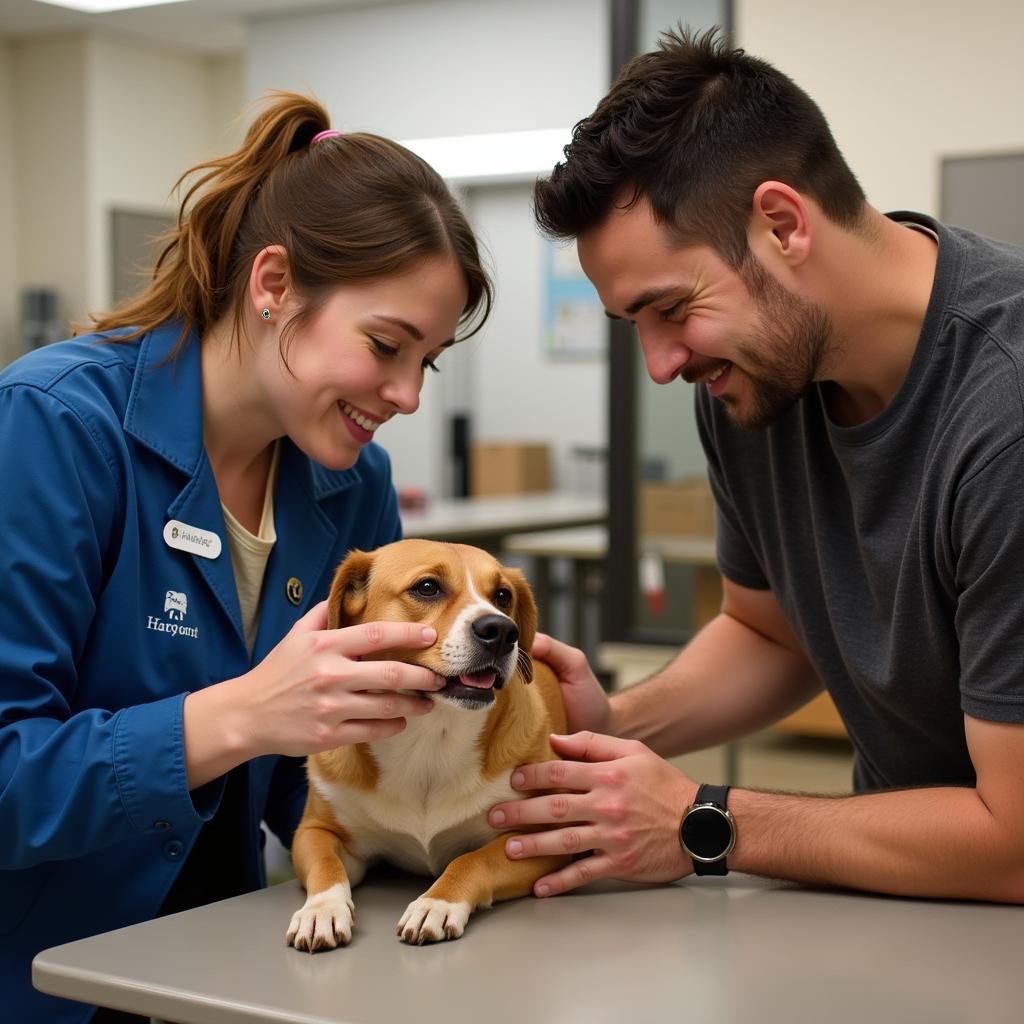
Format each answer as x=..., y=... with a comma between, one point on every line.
x=325, y=920
x=431, y=920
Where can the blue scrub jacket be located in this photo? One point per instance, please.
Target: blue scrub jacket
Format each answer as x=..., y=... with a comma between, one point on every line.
x=100, y=445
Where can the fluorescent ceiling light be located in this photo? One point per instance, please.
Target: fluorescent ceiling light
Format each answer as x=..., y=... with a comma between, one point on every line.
x=104, y=6
x=495, y=156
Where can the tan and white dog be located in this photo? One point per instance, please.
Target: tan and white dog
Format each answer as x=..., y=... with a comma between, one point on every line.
x=419, y=800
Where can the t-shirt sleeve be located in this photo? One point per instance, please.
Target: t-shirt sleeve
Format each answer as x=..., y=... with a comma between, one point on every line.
x=737, y=560
x=987, y=542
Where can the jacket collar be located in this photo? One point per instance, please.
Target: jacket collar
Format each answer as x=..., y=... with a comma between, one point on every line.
x=165, y=407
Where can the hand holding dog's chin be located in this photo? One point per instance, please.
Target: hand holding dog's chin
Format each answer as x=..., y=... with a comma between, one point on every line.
x=310, y=693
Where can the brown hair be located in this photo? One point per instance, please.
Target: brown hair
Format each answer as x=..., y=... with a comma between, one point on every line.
x=350, y=208
x=695, y=127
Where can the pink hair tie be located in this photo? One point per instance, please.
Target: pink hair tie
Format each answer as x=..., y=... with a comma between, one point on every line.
x=327, y=133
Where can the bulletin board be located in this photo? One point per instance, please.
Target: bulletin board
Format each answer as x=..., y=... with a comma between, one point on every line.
x=575, y=324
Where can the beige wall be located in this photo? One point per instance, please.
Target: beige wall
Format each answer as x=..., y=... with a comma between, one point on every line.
x=153, y=113
x=87, y=124
x=902, y=84
x=52, y=174
x=227, y=117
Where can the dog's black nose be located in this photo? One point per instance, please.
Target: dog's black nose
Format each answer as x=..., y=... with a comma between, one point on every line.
x=498, y=633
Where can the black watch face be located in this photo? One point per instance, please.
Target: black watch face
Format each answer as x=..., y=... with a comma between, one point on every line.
x=707, y=833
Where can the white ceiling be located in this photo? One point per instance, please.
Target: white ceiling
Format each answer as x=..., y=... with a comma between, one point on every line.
x=212, y=26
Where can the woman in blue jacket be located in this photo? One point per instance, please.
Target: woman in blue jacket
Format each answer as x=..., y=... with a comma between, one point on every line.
x=177, y=489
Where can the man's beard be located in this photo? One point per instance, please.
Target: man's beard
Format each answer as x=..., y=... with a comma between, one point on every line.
x=785, y=356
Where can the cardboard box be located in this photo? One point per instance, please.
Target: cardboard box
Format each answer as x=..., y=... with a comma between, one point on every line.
x=678, y=507
x=509, y=468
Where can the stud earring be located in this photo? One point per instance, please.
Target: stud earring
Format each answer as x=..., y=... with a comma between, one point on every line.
x=265, y=314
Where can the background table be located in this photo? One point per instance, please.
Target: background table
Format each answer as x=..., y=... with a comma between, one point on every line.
x=714, y=951
x=487, y=521
x=586, y=547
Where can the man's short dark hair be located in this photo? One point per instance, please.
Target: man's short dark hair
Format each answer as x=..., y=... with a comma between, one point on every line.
x=695, y=127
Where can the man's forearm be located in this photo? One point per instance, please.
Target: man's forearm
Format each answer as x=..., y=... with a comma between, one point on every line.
x=727, y=682
x=942, y=842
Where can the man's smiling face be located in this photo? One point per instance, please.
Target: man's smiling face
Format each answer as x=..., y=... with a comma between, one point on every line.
x=753, y=344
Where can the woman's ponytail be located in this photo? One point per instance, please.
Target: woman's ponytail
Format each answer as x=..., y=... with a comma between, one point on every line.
x=200, y=252
x=345, y=207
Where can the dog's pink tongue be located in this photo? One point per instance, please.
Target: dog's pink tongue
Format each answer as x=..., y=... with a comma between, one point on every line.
x=481, y=680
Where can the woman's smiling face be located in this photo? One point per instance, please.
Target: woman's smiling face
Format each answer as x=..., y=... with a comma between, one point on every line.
x=361, y=358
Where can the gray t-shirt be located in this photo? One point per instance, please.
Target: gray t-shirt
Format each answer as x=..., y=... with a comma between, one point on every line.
x=896, y=547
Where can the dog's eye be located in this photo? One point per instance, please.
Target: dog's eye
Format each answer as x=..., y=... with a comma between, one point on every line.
x=426, y=587
x=503, y=598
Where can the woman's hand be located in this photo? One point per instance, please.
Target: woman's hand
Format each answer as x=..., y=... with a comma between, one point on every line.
x=310, y=693
x=586, y=703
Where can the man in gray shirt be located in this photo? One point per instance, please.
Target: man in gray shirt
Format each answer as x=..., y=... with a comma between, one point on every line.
x=861, y=403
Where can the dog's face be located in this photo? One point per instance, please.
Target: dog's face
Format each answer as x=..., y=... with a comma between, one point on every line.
x=483, y=612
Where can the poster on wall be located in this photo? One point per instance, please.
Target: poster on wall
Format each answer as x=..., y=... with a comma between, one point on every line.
x=575, y=325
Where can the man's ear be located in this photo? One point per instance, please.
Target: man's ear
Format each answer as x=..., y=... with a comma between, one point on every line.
x=781, y=224
x=526, y=620
x=350, y=590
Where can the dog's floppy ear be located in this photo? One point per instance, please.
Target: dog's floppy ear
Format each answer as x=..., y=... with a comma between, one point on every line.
x=350, y=589
x=526, y=620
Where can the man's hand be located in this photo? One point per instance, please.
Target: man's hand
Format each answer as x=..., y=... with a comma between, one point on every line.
x=615, y=799
x=586, y=704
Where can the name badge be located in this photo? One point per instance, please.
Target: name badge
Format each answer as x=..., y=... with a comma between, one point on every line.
x=191, y=539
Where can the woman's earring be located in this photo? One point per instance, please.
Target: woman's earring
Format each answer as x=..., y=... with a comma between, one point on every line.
x=265, y=314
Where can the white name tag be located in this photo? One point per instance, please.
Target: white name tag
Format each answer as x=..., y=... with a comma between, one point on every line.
x=191, y=539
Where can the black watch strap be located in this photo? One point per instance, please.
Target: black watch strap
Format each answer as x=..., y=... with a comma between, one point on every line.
x=718, y=797
x=708, y=794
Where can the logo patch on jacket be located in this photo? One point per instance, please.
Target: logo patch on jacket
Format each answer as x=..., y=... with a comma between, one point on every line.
x=175, y=605
x=175, y=608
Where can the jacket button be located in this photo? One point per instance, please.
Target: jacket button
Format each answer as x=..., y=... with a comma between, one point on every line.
x=174, y=849
x=293, y=590
x=161, y=826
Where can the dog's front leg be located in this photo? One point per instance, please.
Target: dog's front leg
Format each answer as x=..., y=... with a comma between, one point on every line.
x=475, y=879
x=319, y=856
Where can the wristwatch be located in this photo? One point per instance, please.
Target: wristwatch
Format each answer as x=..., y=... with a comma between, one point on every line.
x=708, y=831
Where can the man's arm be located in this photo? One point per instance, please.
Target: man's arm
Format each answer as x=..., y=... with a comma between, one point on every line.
x=963, y=843
x=742, y=672
x=621, y=802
